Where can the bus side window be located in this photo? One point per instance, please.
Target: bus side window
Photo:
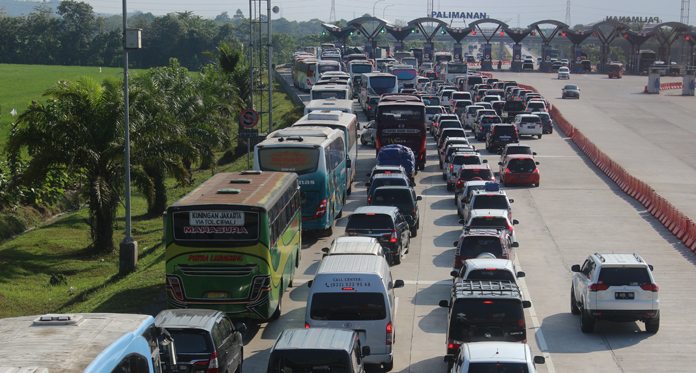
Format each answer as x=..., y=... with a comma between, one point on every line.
x=150, y=335
x=133, y=363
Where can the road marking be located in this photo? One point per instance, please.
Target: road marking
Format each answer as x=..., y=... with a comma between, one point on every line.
x=302, y=281
x=535, y=322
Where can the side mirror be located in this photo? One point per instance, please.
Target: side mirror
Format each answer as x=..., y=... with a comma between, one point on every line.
x=520, y=274
x=537, y=163
x=454, y=273
x=419, y=198
x=309, y=283
x=450, y=358
x=651, y=267
x=325, y=250
x=166, y=342
x=575, y=268
x=455, y=243
x=515, y=244
x=526, y=304
x=512, y=201
x=534, y=153
x=444, y=303
x=461, y=221
x=539, y=360
x=367, y=184
x=515, y=222
x=398, y=284
x=412, y=183
x=366, y=351
x=500, y=163
x=240, y=327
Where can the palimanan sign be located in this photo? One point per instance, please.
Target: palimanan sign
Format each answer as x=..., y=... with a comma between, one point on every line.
x=629, y=19
x=459, y=15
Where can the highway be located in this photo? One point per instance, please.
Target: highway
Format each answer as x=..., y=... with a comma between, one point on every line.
x=576, y=211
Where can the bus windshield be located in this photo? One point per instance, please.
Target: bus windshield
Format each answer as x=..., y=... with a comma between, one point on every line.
x=300, y=160
x=360, y=68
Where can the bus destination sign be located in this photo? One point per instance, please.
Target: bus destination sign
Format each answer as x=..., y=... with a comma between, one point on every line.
x=216, y=218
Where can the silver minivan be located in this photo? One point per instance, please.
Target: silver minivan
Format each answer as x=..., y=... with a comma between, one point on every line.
x=356, y=292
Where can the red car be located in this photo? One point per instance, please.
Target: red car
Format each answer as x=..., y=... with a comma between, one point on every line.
x=469, y=172
x=519, y=169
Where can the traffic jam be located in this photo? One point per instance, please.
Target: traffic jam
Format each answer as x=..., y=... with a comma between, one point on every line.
x=463, y=111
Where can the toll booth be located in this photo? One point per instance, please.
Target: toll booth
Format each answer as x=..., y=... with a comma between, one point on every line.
x=517, y=64
x=689, y=82
x=654, y=79
x=487, y=61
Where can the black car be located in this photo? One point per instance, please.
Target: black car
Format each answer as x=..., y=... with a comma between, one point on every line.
x=385, y=223
x=570, y=90
x=203, y=339
x=546, y=121
x=402, y=197
x=500, y=135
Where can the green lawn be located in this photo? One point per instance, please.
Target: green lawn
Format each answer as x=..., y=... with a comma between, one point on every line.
x=51, y=268
x=20, y=84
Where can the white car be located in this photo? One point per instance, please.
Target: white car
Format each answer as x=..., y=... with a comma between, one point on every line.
x=454, y=163
x=494, y=357
x=528, y=125
x=484, y=268
x=563, y=73
x=491, y=219
x=469, y=115
x=615, y=287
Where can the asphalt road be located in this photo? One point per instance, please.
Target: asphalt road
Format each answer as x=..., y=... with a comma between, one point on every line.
x=576, y=211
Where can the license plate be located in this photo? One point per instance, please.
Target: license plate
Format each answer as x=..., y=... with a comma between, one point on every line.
x=624, y=295
x=521, y=176
x=183, y=368
x=531, y=126
x=218, y=295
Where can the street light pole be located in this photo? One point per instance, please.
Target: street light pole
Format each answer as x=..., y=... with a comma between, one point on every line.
x=373, y=7
x=385, y=9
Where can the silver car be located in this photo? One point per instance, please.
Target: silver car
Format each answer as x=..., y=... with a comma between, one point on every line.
x=368, y=134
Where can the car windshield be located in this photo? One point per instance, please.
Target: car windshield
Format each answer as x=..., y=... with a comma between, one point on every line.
x=571, y=87
x=521, y=165
x=531, y=119
x=622, y=276
x=496, y=202
x=466, y=159
x=401, y=198
x=469, y=173
x=388, y=181
x=519, y=150
x=348, y=306
x=475, y=246
x=491, y=274
x=489, y=221
x=364, y=221
x=453, y=132
x=498, y=368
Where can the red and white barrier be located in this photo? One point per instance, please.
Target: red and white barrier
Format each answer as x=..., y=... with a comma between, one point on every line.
x=666, y=86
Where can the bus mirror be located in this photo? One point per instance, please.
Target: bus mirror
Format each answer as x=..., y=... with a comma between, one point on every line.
x=349, y=163
x=166, y=345
x=325, y=249
x=515, y=244
x=398, y=284
x=303, y=198
x=240, y=327
x=309, y=283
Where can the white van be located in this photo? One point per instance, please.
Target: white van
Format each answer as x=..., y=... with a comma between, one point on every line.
x=345, y=106
x=356, y=292
x=354, y=245
x=328, y=91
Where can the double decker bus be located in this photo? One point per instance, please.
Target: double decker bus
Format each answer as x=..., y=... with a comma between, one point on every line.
x=319, y=159
x=347, y=123
x=400, y=120
x=233, y=244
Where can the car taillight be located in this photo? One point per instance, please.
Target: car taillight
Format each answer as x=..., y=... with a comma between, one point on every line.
x=390, y=333
x=413, y=212
x=308, y=82
x=536, y=170
x=520, y=323
x=174, y=285
x=453, y=344
x=598, y=287
x=392, y=238
x=423, y=147
x=369, y=199
x=378, y=144
x=213, y=364
x=321, y=210
x=451, y=166
x=369, y=107
x=481, y=128
x=306, y=325
x=650, y=287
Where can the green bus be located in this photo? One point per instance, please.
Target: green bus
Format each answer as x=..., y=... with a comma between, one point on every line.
x=233, y=244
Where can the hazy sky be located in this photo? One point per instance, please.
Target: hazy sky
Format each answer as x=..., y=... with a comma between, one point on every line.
x=585, y=11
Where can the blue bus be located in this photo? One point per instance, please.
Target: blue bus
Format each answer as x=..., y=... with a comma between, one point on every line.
x=348, y=124
x=318, y=156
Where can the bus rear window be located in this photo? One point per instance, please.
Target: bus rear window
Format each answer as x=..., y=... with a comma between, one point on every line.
x=348, y=306
x=395, y=113
x=359, y=69
x=299, y=160
x=323, y=95
x=325, y=68
x=216, y=225
x=457, y=68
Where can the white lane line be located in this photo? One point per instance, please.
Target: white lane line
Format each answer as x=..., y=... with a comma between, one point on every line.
x=535, y=322
x=301, y=281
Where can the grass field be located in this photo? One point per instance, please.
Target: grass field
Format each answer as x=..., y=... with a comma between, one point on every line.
x=20, y=84
x=51, y=269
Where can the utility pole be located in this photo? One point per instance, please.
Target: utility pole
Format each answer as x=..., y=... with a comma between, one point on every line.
x=685, y=5
x=332, y=16
x=567, y=19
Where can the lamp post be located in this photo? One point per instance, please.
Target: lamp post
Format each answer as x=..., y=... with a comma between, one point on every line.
x=385, y=9
x=373, y=7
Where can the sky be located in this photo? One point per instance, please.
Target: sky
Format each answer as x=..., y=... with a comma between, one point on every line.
x=513, y=12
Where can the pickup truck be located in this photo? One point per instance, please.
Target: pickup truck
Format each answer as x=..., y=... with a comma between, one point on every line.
x=511, y=109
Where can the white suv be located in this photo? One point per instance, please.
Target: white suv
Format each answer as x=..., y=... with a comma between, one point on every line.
x=615, y=287
x=494, y=357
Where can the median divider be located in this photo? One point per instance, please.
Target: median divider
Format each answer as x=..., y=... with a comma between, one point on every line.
x=669, y=215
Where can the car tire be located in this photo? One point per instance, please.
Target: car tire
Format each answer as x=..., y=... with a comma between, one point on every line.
x=653, y=325
x=539, y=136
x=388, y=366
x=536, y=185
x=587, y=323
x=414, y=231
x=444, y=177
x=362, y=140
x=396, y=257
x=441, y=165
x=574, y=309
x=279, y=309
x=450, y=187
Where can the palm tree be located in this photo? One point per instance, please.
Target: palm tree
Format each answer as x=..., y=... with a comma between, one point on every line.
x=78, y=130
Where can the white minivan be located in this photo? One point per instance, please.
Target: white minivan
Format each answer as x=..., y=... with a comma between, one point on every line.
x=356, y=292
x=528, y=125
x=354, y=245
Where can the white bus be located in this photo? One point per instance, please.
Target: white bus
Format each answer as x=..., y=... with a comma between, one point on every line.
x=83, y=343
x=328, y=91
x=449, y=71
x=376, y=84
x=348, y=124
x=345, y=106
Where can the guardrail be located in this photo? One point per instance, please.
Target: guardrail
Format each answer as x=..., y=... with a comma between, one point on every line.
x=673, y=219
x=289, y=89
x=664, y=86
